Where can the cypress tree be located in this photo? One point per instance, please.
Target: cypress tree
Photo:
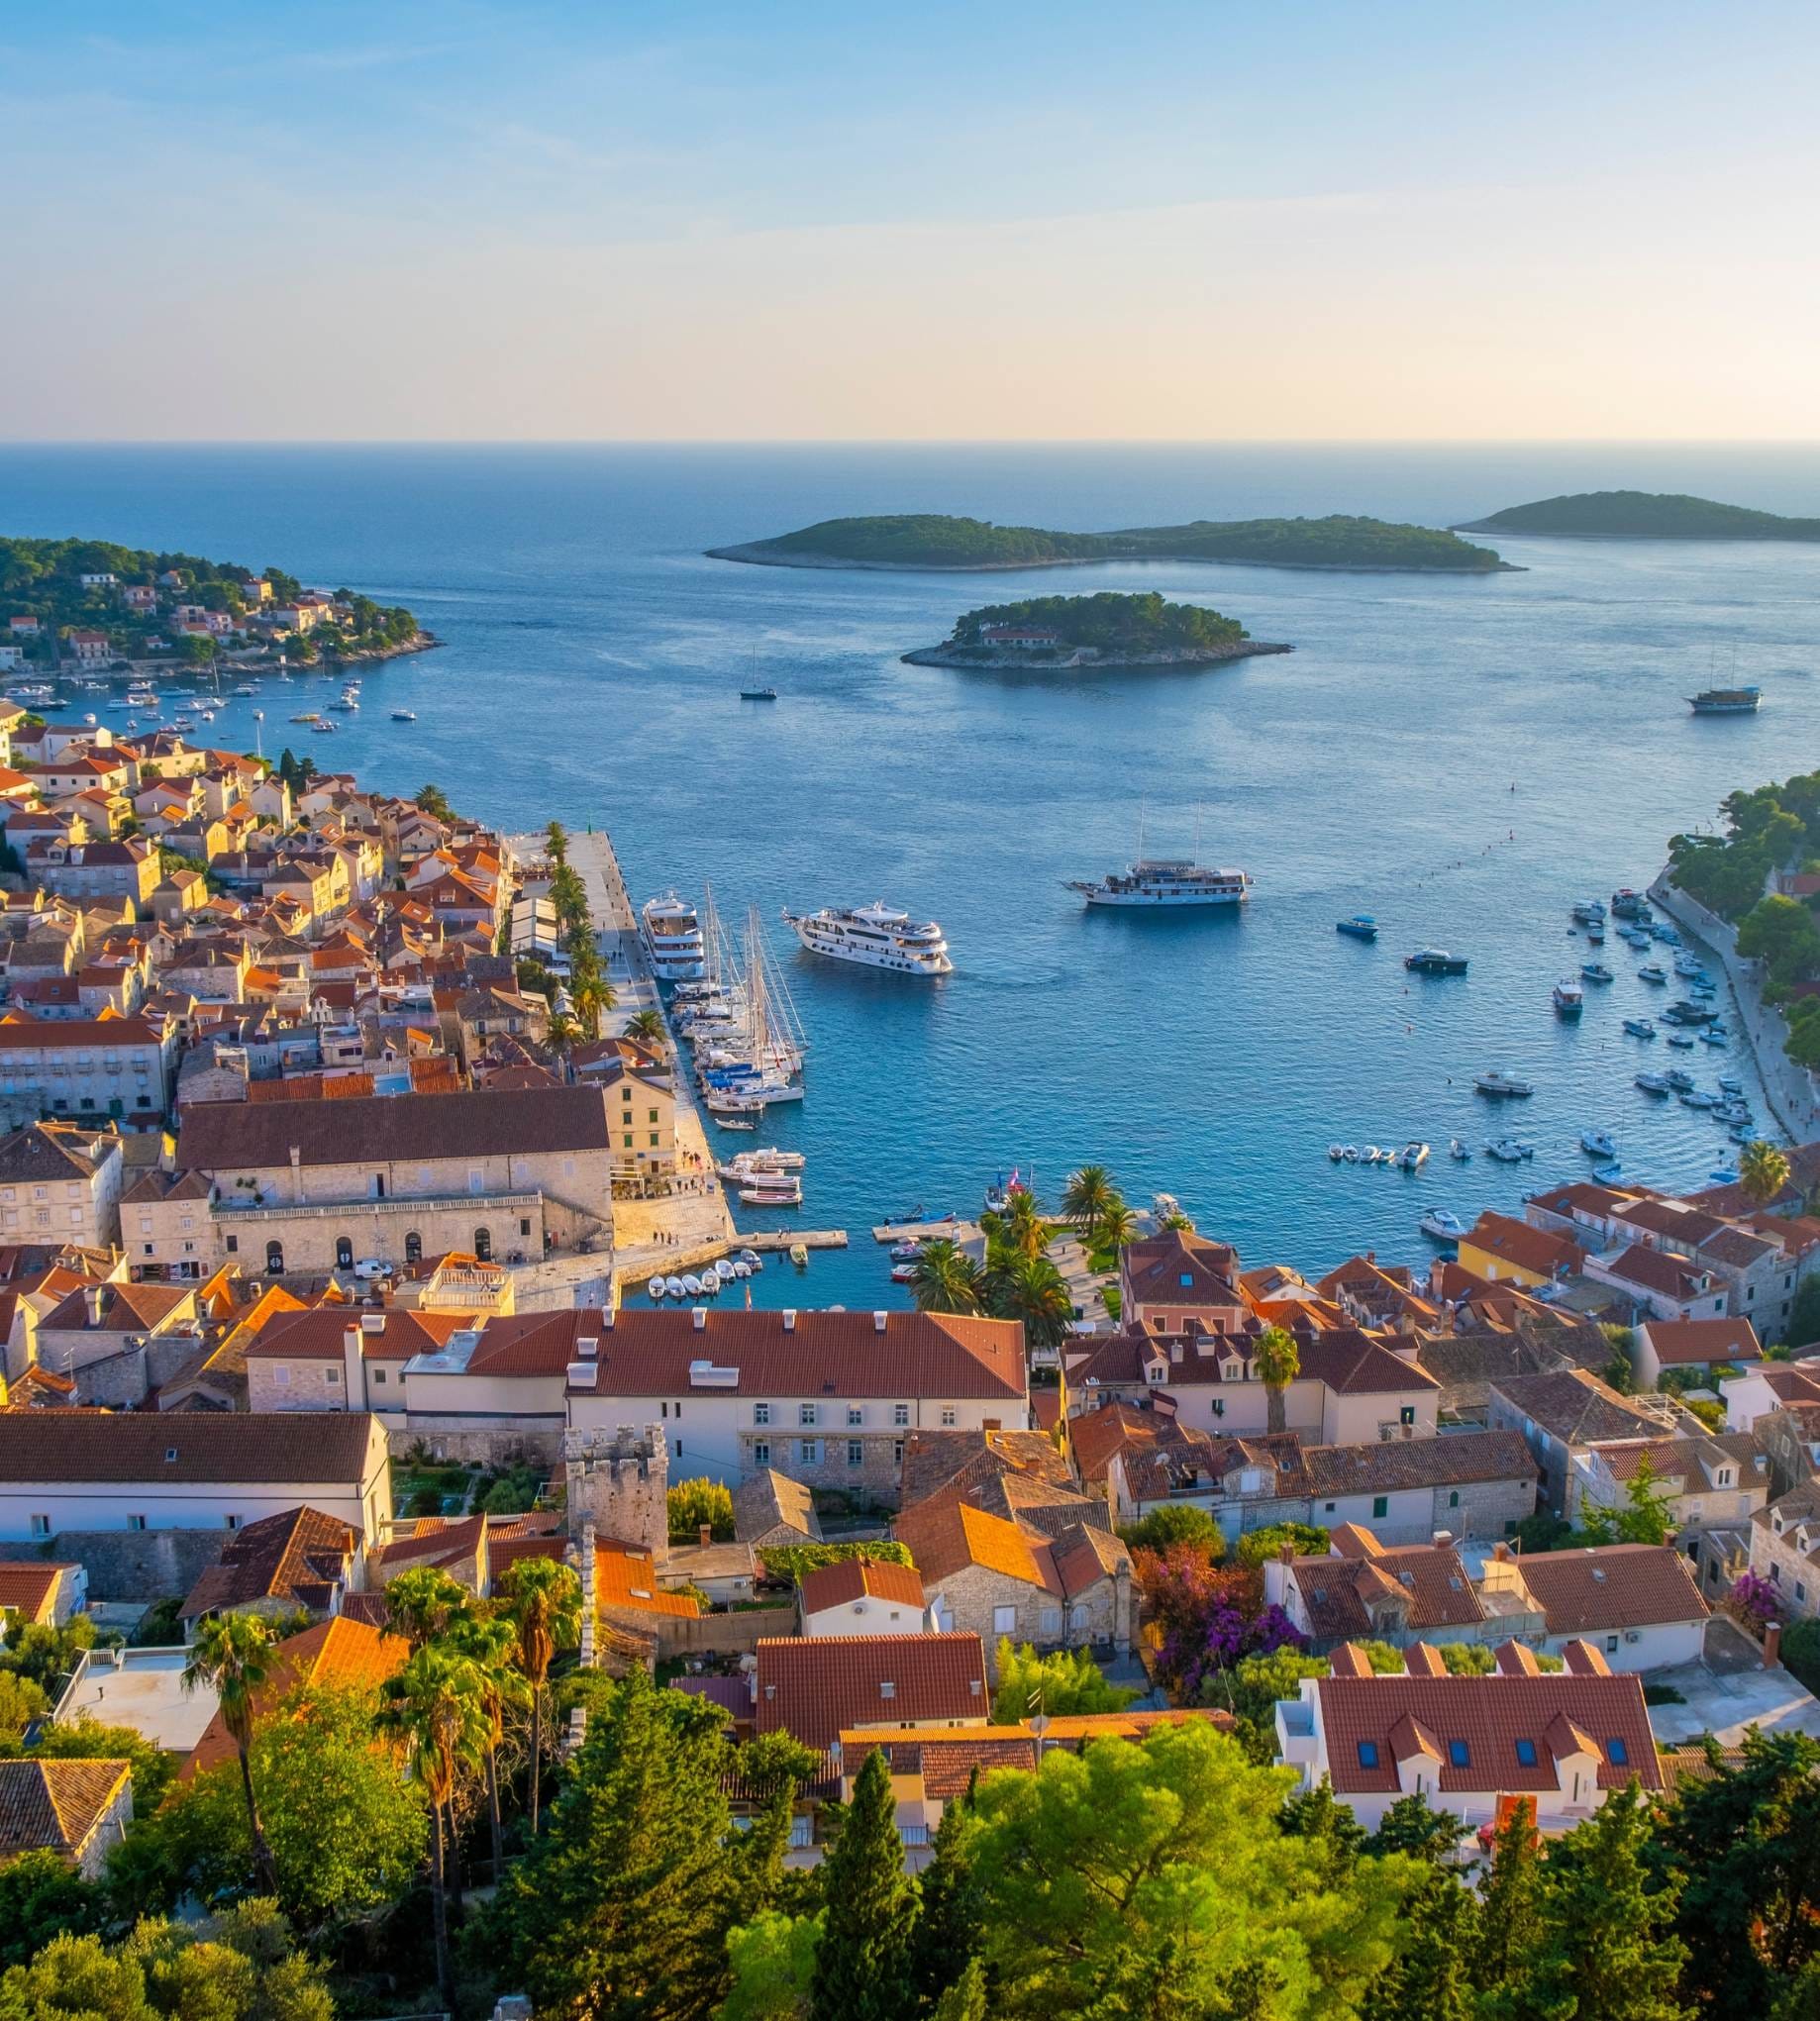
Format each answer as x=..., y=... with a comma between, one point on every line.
x=965, y=2000
x=948, y=1928
x=863, y=1969
x=1510, y=1917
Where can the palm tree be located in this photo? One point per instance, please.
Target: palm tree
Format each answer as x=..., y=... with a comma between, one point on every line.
x=1031, y=1289
x=1087, y=1194
x=542, y=1602
x=232, y=1655
x=1280, y=1363
x=947, y=1278
x=561, y=1032
x=1019, y=1231
x=647, y=1027
x=421, y=1605
x=489, y=1645
x=433, y=1707
x=1117, y=1225
x=1763, y=1172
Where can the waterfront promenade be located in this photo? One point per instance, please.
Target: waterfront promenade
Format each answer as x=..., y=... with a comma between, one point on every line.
x=694, y=1221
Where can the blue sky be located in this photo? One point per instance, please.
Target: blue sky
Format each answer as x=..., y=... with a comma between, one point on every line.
x=551, y=221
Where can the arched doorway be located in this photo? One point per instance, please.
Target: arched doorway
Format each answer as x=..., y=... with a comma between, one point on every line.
x=483, y=1244
x=413, y=1247
x=344, y=1253
x=274, y=1259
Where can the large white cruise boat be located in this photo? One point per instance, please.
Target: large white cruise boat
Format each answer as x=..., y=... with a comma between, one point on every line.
x=1160, y=881
x=672, y=940
x=874, y=936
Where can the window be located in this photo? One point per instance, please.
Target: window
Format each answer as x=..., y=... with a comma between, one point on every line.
x=476, y=1180
x=1004, y=1620
x=627, y=1136
x=1331, y=1507
x=809, y=1451
x=805, y=1413
x=900, y=1413
x=1800, y=1589
x=1408, y=1414
x=761, y=1413
x=41, y=1526
x=1453, y=1501
x=760, y=1452
x=1611, y=1645
x=274, y=1259
x=1368, y=1754
x=344, y=1253
x=233, y=1245
x=947, y=1414
x=897, y=1451
x=855, y=1451
x=332, y=1377
x=281, y=1376
x=483, y=1244
x=1617, y=1754
x=1526, y=1754
x=856, y=1414
x=379, y=1377
x=233, y=1521
x=136, y=1522
x=1460, y=1754
x=1775, y=1570
x=1187, y=1280
x=1380, y=1506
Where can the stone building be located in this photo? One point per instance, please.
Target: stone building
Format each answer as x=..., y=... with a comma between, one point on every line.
x=618, y=1481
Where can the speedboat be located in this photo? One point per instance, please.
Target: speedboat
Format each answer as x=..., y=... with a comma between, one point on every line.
x=1457, y=1150
x=799, y=1254
x=1714, y=1035
x=656, y=1290
x=1360, y=927
x=752, y=1259
x=1639, y=1028
x=906, y=1251
x=1697, y=1098
x=901, y=1274
x=1594, y=972
x=725, y=1271
x=1608, y=1174
x=1590, y=911
x=1730, y=1085
x=1651, y=971
x=1653, y=1083
x=1681, y=1042
x=1678, y=1081
x=1506, y=1150
x=1435, y=961
x=692, y=1285
x=1568, y=998
x=1442, y=1225
x=1502, y=1084
x=404, y=715
x=675, y=1287
x=1412, y=1157
x=1598, y=1142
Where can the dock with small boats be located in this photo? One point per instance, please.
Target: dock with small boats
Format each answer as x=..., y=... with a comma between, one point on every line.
x=949, y=1229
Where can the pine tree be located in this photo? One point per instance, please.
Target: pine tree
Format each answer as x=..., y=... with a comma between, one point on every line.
x=1431, y=1977
x=1510, y=1917
x=624, y=1904
x=1608, y=1952
x=862, y=1967
x=965, y=2000
x=948, y=1928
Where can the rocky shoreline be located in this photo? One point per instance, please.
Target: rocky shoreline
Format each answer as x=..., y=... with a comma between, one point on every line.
x=1085, y=658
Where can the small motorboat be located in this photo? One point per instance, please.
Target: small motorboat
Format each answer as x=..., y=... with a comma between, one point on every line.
x=1335, y=1151
x=1442, y=1225
x=1730, y=1085
x=691, y=1284
x=1639, y=1028
x=1724, y=1175
x=675, y=1287
x=724, y=1270
x=1653, y=1083
x=1651, y=971
x=757, y=694
x=1507, y=1085
x=404, y=715
x=1678, y=1081
x=1661, y=930
x=1435, y=961
x=770, y=1196
x=1746, y=1132
x=799, y=1254
x=1598, y=1142
x=1590, y=911
x=752, y=1260
x=742, y=1269
x=906, y=1251
x=1608, y=1174
x=1349, y=1154
x=1457, y=1150
x=1568, y=998
x=1360, y=927
x=1714, y=1035
x=1697, y=1098
x=1595, y=936
x=1681, y=1042
x=1594, y=972
x=1687, y=964
x=1369, y=1154
x=902, y=1274
x=656, y=1290
x=1412, y=1157
x=1506, y=1150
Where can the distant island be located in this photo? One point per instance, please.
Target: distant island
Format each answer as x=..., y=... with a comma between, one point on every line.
x=1104, y=631
x=1643, y=516
x=95, y=604
x=938, y=541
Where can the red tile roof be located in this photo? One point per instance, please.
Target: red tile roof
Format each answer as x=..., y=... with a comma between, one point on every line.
x=340, y=1655
x=295, y=1559
x=56, y=1805
x=814, y=1687
x=31, y=1589
x=858, y=1579
x=1613, y=1587
x=1528, y=1249
x=318, y=1334
x=1684, y=1343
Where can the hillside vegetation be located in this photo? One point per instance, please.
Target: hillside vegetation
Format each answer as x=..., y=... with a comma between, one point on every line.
x=1109, y=624
x=940, y=541
x=1645, y=516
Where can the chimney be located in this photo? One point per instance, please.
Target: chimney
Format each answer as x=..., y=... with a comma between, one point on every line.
x=879, y=1319
x=353, y=1368
x=608, y=1314
x=91, y=1300
x=701, y=1316
x=705, y=1536
x=1501, y=1551
x=789, y=1319
x=1772, y=1646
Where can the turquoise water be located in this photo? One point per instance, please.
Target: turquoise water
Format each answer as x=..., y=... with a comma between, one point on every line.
x=590, y=671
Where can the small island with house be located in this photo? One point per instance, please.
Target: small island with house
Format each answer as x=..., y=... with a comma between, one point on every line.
x=1643, y=516
x=94, y=604
x=940, y=541
x=1107, y=631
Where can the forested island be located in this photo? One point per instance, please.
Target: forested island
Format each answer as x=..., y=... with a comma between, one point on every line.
x=146, y=604
x=1643, y=516
x=940, y=541
x=1104, y=631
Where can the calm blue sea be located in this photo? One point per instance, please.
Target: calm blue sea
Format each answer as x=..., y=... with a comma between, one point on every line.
x=590, y=671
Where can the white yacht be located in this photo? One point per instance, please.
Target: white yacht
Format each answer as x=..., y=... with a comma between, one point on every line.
x=875, y=936
x=1162, y=880
x=672, y=938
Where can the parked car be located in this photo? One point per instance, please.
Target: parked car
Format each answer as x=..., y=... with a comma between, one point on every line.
x=372, y=1266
